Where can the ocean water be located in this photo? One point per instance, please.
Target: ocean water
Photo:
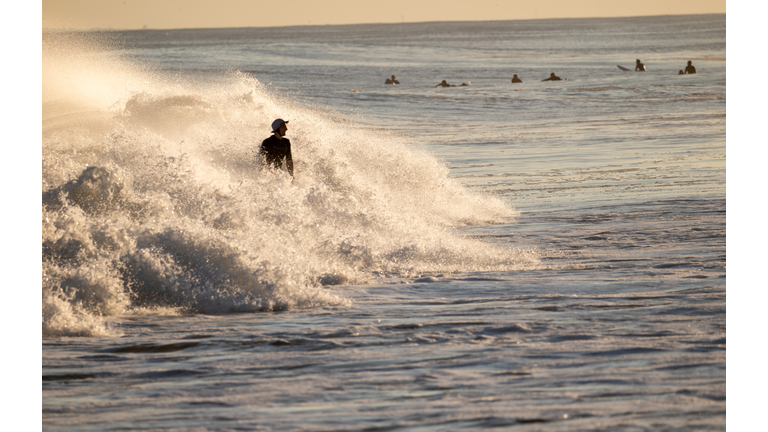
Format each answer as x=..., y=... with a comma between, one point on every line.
x=534, y=256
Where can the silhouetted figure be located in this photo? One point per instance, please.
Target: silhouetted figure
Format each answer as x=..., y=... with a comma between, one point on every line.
x=690, y=69
x=639, y=66
x=681, y=72
x=466, y=84
x=515, y=79
x=444, y=84
x=392, y=80
x=553, y=77
x=276, y=149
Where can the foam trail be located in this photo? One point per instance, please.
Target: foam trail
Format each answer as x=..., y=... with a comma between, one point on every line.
x=152, y=200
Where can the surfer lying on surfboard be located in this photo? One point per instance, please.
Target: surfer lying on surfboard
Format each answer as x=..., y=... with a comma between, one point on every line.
x=553, y=77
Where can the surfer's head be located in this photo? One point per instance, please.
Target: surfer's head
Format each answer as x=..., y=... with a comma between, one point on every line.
x=689, y=62
x=280, y=126
x=637, y=61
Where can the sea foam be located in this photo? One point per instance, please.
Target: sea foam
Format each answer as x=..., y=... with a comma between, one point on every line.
x=153, y=197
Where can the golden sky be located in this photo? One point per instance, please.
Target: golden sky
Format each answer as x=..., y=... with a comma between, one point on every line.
x=170, y=14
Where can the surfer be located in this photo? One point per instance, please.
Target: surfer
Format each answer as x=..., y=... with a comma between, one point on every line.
x=680, y=72
x=466, y=84
x=515, y=79
x=639, y=66
x=391, y=80
x=690, y=69
x=553, y=77
x=277, y=149
x=444, y=84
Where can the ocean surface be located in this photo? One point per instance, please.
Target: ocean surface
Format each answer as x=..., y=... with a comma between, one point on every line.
x=535, y=256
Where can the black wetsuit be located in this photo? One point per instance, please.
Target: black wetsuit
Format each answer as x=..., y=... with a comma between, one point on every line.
x=274, y=150
x=690, y=69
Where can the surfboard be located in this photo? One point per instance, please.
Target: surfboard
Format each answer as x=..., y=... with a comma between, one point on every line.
x=622, y=68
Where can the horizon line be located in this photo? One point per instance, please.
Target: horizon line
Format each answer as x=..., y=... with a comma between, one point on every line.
x=98, y=29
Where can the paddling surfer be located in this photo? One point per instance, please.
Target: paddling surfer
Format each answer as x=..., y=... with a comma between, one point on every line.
x=391, y=80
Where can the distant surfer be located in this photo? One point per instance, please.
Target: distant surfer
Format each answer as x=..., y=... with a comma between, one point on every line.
x=391, y=80
x=680, y=72
x=690, y=69
x=444, y=84
x=276, y=150
x=639, y=66
x=553, y=77
x=466, y=84
x=515, y=79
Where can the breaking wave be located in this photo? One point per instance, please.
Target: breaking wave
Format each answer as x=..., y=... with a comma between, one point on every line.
x=153, y=200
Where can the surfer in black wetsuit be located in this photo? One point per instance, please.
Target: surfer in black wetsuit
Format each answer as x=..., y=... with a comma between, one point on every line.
x=639, y=66
x=444, y=84
x=276, y=149
x=553, y=77
x=690, y=69
x=516, y=79
x=392, y=80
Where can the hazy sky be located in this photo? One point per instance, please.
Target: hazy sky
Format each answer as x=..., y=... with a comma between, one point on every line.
x=168, y=14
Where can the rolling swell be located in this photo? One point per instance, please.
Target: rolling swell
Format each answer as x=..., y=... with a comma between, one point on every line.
x=159, y=205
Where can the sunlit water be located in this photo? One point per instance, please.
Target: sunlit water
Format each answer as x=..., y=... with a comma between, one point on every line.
x=543, y=256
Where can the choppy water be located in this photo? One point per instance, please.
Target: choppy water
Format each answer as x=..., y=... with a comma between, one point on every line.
x=543, y=256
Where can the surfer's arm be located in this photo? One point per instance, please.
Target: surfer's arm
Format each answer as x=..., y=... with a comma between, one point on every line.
x=289, y=162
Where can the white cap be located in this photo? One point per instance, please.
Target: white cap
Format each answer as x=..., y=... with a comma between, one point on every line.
x=276, y=124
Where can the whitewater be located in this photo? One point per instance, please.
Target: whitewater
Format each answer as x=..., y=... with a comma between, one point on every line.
x=543, y=256
x=170, y=209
